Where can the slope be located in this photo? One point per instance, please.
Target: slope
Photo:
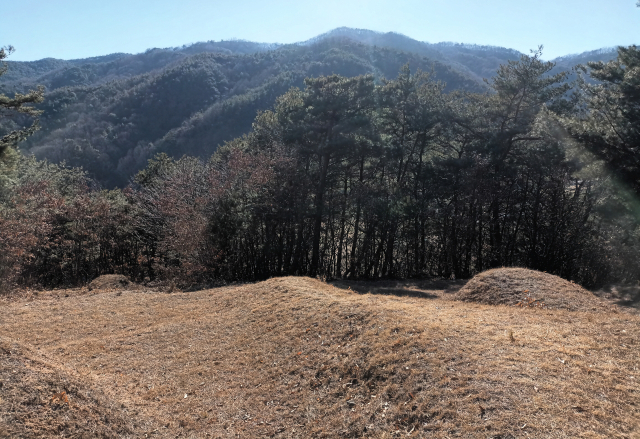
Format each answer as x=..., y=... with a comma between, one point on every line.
x=476, y=61
x=56, y=73
x=295, y=357
x=39, y=398
x=197, y=103
x=110, y=114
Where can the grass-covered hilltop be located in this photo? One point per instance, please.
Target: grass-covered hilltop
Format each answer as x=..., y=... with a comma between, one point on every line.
x=296, y=357
x=357, y=236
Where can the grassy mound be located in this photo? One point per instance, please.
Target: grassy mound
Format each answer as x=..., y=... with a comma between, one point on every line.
x=111, y=282
x=529, y=288
x=297, y=358
x=39, y=400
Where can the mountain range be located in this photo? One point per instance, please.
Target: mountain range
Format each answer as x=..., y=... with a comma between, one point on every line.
x=110, y=114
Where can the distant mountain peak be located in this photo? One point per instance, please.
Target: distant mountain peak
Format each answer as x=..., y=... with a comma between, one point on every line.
x=371, y=37
x=362, y=35
x=480, y=47
x=598, y=53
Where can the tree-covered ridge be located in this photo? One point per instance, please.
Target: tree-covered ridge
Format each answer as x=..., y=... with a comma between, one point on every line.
x=195, y=104
x=475, y=60
x=54, y=73
x=348, y=177
x=110, y=114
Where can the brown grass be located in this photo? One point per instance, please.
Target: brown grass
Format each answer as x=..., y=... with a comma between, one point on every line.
x=111, y=281
x=295, y=357
x=39, y=399
x=529, y=288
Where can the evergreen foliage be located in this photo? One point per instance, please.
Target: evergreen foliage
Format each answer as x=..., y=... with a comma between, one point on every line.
x=11, y=110
x=609, y=124
x=348, y=175
x=109, y=115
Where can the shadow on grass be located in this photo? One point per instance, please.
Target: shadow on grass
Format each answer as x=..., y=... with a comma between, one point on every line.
x=424, y=288
x=622, y=295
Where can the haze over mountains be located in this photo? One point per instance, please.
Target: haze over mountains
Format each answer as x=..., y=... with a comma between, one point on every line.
x=110, y=114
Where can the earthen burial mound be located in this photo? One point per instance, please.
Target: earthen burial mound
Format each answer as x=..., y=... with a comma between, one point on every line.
x=111, y=282
x=42, y=400
x=528, y=288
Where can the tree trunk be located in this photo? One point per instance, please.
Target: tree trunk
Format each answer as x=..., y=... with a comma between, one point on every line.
x=317, y=226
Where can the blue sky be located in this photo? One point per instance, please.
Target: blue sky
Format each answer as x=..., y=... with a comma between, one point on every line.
x=70, y=29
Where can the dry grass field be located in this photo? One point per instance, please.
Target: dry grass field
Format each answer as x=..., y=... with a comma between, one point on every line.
x=299, y=358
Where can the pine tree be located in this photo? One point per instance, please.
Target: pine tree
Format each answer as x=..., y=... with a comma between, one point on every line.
x=609, y=126
x=505, y=128
x=327, y=121
x=8, y=108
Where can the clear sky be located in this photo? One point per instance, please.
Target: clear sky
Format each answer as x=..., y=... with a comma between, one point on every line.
x=70, y=29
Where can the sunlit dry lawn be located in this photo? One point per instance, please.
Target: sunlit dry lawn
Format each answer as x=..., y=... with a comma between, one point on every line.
x=296, y=357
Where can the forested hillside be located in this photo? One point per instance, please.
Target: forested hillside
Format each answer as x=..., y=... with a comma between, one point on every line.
x=56, y=73
x=110, y=114
x=343, y=174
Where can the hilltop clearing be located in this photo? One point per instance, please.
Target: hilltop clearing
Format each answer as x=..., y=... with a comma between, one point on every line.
x=295, y=357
